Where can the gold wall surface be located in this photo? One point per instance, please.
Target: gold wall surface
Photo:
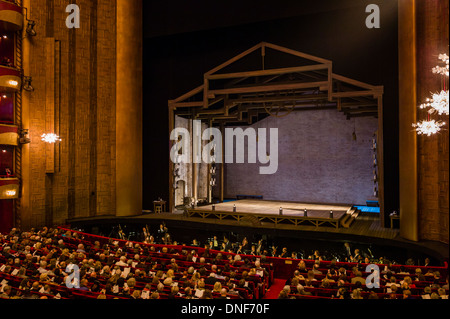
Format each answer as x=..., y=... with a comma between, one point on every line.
x=129, y=108
x=78, y=98
x=407, y=116
x=424, y=166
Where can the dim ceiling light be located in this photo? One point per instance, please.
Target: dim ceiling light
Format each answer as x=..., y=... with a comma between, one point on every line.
x=428, y=127
x=50, y=138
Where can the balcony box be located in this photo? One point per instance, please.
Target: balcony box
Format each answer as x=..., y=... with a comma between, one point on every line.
x=9, y=188
x=9, y=135
x=10, y=79
x=11, y=16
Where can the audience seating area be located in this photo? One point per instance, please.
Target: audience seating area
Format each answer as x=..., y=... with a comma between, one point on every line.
x=34, y=265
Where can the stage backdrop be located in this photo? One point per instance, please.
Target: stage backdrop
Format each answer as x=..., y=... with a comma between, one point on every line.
x=319, y=160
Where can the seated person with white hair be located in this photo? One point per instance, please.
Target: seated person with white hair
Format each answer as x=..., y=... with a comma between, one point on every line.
x=122, y=261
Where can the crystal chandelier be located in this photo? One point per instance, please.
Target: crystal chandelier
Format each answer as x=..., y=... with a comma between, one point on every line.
x=438, y=103
x=443, y=70
x=50, y=138
x=428, y=127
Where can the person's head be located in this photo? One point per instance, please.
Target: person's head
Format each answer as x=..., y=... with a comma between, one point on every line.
x=287, y=289
x=174, y=290
x=207, y=294
x=35, y=285
x=427, y=290
x=373, y=295
x=325, y=283
x=188, y=291
x=168, y=281
x=406, y=293
x=408, y=280
x=217, y=286
x=357, y=294
x=7, y=290
x=302, y=265
x=43, y=277
x=131, y=282
x=300, y=288
x=154, y=295
x=394, y=289
x=434, y=296
x=223, y=292
x=136, y=294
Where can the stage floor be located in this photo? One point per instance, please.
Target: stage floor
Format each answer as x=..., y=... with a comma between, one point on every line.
x=252, y=206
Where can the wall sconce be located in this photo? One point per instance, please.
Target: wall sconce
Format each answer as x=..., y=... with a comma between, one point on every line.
x=23, y=139
x=10, y=193
x=50, y=138
x=30, y=26
x=27, y=83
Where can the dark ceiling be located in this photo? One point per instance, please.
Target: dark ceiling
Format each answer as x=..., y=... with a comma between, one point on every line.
x=163, y=18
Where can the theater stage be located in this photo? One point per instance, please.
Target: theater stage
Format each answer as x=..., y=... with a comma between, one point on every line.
x=254, y=206
x=259, y=211
x=262, y=216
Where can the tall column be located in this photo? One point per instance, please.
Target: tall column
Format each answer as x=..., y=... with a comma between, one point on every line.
x=25, y=209
x=129, y=108
x=171, y=203
x=407, y=116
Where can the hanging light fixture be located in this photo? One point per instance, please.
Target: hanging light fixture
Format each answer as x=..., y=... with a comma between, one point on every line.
x=438, y=103
x=50, y=138
x=443, y=70
x=428, y=127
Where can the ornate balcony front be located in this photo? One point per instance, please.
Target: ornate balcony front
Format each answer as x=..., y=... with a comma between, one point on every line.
x=9, y=188
x=11, y=16
x=9, y=135
x=10, y=78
